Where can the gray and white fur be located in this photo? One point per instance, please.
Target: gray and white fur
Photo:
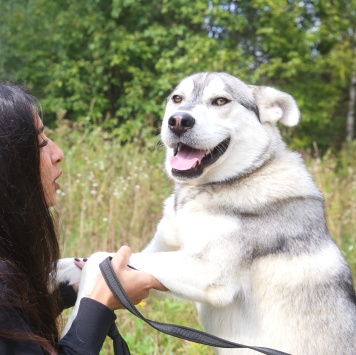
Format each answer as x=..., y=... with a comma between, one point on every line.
x=244, y=234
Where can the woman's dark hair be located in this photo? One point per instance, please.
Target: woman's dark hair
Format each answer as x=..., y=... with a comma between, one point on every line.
x=29, y=247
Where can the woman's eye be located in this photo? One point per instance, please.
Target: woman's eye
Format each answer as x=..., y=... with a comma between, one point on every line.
x=43, y=143
x=177, y=99
x=220, y=101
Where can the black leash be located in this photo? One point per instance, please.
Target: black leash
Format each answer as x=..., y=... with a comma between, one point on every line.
x=193, y=335
x=119, y=343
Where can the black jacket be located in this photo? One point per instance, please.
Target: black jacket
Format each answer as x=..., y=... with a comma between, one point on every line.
x=86, y=335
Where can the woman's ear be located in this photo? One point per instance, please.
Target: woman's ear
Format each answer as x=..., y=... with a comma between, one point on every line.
x=275, y=105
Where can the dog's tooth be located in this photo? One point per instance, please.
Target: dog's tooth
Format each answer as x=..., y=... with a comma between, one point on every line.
x=176, y=149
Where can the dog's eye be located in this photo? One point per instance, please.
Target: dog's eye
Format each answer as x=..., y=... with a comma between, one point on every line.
x=177, y=99
x=220, y=101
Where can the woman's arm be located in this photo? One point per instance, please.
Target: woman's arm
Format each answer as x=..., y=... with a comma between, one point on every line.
x=86, y=336
x=89, y=329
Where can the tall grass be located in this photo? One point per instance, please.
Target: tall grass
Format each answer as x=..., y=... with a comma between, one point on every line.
x=335, y=176
x=112, y=194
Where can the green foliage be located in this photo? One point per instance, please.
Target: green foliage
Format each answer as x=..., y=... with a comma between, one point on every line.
x=112, y=63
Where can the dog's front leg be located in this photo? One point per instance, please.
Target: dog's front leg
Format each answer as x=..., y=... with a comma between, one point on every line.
x=190, y=275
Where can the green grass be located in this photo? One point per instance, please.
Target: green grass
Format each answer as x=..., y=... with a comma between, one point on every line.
x=112, y=195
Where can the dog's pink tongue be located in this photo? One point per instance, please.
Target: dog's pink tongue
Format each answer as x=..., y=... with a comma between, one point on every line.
x=186, y=158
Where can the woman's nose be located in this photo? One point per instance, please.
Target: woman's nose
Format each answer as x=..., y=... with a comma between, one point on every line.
x=57, y=153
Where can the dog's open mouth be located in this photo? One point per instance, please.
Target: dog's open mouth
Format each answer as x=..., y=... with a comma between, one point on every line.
x=189, y=163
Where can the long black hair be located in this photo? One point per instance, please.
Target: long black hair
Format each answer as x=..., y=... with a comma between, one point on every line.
x=29, y=247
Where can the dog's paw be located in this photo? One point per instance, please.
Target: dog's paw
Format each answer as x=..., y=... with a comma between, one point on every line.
x=67, y=271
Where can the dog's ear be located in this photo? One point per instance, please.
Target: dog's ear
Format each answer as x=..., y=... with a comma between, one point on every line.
x=275, y=105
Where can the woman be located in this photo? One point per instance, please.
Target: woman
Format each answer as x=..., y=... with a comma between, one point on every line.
x=29, y=247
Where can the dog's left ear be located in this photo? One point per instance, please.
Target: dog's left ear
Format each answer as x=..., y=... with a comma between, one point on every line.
x=275, y=105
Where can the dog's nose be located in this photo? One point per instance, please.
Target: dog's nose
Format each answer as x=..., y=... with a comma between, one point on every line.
x=180, y=122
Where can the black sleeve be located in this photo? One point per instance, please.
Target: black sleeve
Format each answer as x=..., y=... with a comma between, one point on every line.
x=89, y=329
x=86, y=335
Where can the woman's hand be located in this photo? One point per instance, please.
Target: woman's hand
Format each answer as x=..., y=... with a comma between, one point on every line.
x=137, y=284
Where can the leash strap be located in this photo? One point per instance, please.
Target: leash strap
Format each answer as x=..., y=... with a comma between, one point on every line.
x=178, y=331
x=119, y=343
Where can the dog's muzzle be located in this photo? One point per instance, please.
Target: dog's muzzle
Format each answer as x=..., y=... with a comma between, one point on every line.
x=181, y=122
x=189, y=163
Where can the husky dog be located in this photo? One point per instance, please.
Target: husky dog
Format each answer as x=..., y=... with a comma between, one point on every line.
x=244, y=234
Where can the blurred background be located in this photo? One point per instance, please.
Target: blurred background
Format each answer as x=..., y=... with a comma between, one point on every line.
x=102, y=70
x=113, y=62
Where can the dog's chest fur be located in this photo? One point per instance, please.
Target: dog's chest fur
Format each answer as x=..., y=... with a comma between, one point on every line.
x=272, y=237
x=247, y=209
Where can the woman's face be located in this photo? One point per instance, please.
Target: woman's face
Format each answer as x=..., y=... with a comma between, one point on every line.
x=50, y=156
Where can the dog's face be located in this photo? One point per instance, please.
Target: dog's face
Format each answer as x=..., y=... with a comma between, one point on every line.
x=216, y=127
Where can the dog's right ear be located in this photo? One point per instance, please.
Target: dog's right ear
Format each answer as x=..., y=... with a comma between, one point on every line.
x=275, y=105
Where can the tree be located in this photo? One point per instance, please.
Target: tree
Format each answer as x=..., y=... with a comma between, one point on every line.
x=114, y=62
x=302, y=47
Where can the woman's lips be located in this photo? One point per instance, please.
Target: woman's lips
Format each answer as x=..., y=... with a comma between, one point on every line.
x=57, y=186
